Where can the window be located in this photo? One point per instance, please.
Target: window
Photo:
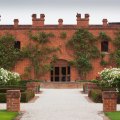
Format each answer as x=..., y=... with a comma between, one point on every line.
x=17, y=44
x=104, y=46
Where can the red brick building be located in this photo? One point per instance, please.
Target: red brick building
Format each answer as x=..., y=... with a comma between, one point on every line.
x=63, y=71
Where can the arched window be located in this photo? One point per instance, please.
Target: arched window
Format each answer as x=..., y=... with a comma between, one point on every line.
x=104, y=46
x=17, y=45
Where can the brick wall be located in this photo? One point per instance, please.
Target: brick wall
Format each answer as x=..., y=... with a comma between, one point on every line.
x=20, y=32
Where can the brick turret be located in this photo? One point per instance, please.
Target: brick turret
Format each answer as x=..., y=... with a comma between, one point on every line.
x=38, y=22
x=82, y=22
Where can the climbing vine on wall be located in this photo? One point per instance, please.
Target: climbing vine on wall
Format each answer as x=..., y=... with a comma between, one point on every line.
x=103, y=37
x=83, y=45
x=116, y=54
x=8, y=54
x=39, y=54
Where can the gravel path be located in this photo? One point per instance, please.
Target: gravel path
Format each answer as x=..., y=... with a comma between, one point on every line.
x=62, y=104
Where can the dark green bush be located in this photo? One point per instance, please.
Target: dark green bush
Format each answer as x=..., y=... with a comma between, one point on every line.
x=2, y=97
x=96, y=95
x=118, y=99
x=3, y=89
x=27, y=96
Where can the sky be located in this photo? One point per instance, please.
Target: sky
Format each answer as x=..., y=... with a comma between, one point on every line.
x=55, y=9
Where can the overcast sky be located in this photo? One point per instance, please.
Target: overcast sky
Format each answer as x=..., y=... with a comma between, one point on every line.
x=55, y=9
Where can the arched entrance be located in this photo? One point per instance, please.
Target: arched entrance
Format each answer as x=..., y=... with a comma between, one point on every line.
x=61, y=71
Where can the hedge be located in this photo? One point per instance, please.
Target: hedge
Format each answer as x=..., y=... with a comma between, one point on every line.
x=96, y=95
x=3, y=89
x=25, y=96
x=2, y=97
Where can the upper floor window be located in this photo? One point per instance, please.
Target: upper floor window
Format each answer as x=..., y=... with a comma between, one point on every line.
x=104, y=46
x=17, y=45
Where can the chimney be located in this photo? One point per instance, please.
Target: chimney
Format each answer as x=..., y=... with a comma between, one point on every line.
x=82, y=22
x=38, y=22
x=16, y=22
x=105, y=22
x=60, y=21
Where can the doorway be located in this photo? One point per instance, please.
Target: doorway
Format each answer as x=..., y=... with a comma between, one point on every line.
x=60, y=72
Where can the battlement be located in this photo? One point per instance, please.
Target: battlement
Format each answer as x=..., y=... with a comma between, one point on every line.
x=38, y=22
x=82, y=22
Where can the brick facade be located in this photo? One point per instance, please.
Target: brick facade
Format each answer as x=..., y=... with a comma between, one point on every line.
x=13, y=100
x=109, y=101
x=20, y=32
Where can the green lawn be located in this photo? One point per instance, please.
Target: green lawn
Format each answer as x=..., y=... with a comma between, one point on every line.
x=113, y=115
x=4, y=115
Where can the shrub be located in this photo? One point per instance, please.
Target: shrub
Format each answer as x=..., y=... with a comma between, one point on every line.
x=96, y=95
x=2, y=97
x=27, y=96
x=8, y=78
x=110, y=78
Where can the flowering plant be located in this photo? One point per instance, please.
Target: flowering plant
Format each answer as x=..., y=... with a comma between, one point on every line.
x=110, y=78
x=8, y=78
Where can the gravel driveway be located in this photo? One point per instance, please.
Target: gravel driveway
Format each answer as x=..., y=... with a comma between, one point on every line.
x=62, y=104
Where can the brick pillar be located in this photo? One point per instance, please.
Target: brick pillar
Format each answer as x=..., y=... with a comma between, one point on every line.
x=109, y=101
x=13, y=100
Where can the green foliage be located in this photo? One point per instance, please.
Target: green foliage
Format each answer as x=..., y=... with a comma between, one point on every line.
x=116, y=42
x=117, y=57
x=3, y=97
x=8, y=78
x=96, y=95
x=103, y=37
x=103, y=63
x=39, y=54
x=110, y=78
x=27, y=96
x=8, y=54
x=83, y=44
x=63, y=35
x=116, y=54
x=41, y=37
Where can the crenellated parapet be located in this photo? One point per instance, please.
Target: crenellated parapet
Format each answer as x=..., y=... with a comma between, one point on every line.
x=38, y=22
x=82, y=22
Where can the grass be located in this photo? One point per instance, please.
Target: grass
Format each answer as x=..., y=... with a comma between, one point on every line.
x=5, y=115
x=113, y=115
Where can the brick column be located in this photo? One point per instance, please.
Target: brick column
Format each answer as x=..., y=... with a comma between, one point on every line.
x=109, y=101
x=13, y=100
